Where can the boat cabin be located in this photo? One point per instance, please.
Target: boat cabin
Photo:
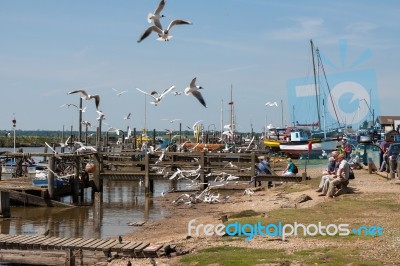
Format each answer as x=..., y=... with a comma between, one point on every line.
x=299, y=135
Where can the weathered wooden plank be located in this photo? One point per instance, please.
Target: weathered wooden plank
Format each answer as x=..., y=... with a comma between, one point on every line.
x=11, y=242
x=91, y=243
x=35, y=243
x=111, y=242
x=151, y=250
x=95, y=245
x=56, y=242
x=118, y=247
x=138, y=251
x=60, y=245
x=84, y=242
x=70, y=244
x=26, y=243
x=43, y=245
x=5, y=238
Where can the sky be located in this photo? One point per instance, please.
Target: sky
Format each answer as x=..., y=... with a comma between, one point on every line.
x=256, y=51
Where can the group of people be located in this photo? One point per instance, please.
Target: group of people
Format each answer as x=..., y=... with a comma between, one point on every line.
x=264, y=167
x=338, y=172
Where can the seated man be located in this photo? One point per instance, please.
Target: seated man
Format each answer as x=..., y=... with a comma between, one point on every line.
x=333, y=165
x=264, y=167
x=341, y=176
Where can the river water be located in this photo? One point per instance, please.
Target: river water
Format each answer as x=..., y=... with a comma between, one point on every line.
x=123, y=202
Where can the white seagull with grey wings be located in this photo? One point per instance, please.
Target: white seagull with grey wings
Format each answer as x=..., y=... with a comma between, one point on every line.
x=87, y=96
x=157, y=97
x=194, y=90
x=156, y=16
x=163, y=33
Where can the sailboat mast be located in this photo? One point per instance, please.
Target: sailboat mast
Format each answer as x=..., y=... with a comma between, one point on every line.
x=315, y=83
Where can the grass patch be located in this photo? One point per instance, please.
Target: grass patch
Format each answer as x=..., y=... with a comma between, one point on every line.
x=345, y=210
x=246, y=256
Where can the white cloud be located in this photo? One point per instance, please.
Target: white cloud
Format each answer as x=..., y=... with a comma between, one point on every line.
x=304, y=28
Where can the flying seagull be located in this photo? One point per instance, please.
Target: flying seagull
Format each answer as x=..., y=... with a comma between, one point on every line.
x=128, y=116
x=155, y=17
x=119, y=93
x=157, y=97
x=194, y=90
x=87, y=96
x=271, y=104
x=163, y=33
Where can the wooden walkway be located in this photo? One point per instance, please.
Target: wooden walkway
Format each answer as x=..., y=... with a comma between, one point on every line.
x=39, y=249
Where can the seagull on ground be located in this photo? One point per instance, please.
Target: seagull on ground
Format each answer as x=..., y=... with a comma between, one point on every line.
x=87, y=96
x=158, y=97
x=271, y=104
x=119, y=93
x=163, y=33
x=194, y=90
x=156, y=16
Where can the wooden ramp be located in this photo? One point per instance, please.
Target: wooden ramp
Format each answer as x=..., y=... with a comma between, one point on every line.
x=39, y=249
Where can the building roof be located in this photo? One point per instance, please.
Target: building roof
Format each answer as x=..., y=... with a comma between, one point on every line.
x=388, y=119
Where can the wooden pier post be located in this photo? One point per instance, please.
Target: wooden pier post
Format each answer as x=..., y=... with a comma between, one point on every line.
x=5, y=204
x=202, y=164
x=392, y=168
x=50, y=176
x=75, y=186
x=98, y=183
x=398, y=167
x=147, y=189
x=97, y=216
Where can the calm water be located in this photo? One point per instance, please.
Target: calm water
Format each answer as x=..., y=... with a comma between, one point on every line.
x=123, y=203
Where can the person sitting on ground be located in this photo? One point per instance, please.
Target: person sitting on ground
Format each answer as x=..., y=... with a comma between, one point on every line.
x=333, y=165
x=341, y=176
x=263, y=167
x=289, y=170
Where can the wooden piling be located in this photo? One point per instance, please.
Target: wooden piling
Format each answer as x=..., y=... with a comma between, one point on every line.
x=147, y=190
x=50, y=176
x=98, y=186
x=392, y=164
x=75, y=189
x=398, y=167
x=5, y=204
x=202, y=164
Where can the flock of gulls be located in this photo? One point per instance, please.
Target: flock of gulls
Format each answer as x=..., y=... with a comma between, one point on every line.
x=221, y=178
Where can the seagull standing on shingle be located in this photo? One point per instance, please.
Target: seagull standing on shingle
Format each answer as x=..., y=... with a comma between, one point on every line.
x=194, y=90
x=87, y=96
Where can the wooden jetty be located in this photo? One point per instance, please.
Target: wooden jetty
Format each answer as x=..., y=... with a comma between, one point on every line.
x=42, y=250
x=120, y=164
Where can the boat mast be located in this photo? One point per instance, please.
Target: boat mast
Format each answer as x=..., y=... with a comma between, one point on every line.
x=232, y=119
x=315, y=83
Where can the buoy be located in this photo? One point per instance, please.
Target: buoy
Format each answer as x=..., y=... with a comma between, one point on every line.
x=90, y=168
